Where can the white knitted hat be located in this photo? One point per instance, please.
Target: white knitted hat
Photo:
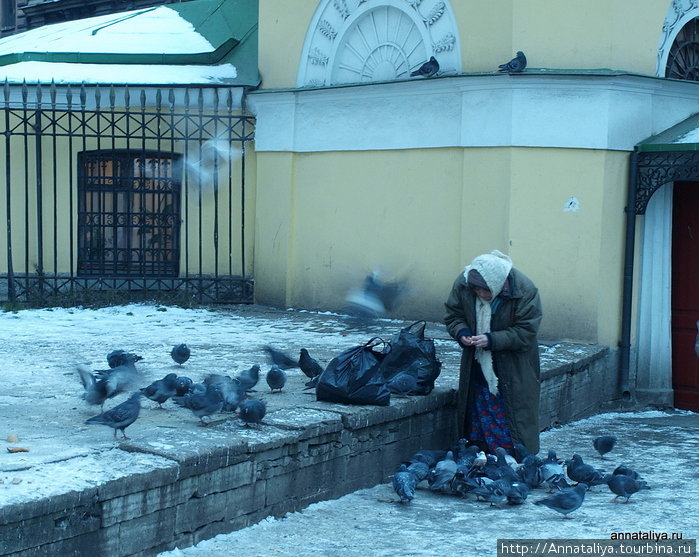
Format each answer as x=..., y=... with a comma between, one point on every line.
x=493, y=267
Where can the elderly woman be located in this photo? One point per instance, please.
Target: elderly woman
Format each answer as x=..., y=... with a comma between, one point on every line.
x=494, y=312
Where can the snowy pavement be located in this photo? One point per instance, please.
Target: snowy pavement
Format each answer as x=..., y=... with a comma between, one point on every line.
x=41, y=411
x=662, y=446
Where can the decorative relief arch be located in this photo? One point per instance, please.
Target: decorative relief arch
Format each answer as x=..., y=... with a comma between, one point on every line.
x=356, y=41
x=678, y=15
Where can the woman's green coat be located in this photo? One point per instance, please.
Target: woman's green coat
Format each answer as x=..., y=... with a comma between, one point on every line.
x=515, y=349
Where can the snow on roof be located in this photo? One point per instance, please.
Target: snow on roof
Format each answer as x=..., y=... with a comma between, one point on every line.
x=689, y=137
x=154, y=30
x=141, y=74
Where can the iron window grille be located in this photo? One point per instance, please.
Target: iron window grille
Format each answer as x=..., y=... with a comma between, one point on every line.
x=683, y=58
x=129, y=213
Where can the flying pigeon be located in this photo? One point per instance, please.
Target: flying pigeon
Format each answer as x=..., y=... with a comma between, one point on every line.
x=249, y=377
x=516, y=65
x=565, y=501
x=624, y=486
x=118, y=358
x=180, y=353
x=202, y=404
x=276, y=378
x=121, y=416
x=104, y=384
x=404, y=482
x=428, y=69
x=604, y=444
x=280, y=358
x=252, y=411
x=310, y=366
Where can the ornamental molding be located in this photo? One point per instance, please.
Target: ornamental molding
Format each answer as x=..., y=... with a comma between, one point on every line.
x=363, y=41
x=678, y=14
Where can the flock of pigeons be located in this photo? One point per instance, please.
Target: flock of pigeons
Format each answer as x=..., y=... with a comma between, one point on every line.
x=502, y=479
x=431, y=67
x=216, y=393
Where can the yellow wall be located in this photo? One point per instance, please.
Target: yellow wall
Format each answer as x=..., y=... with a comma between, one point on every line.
x=424, y=214
x=561, y=34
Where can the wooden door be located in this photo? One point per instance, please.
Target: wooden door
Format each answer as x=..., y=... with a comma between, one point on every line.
x=685, y=294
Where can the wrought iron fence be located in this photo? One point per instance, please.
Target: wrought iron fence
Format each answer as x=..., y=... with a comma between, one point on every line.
x=135, y=200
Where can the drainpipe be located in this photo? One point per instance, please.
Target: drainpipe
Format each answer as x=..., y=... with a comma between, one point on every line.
x=625, y=344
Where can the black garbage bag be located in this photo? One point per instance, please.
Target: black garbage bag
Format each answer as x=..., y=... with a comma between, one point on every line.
x=412, y=353
x=353, y=377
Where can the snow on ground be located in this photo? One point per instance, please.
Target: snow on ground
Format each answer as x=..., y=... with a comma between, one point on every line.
x=661, y=446
x=40, y=404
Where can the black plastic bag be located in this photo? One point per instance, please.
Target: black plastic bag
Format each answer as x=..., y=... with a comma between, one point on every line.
x=412, y=353
x=353, y=377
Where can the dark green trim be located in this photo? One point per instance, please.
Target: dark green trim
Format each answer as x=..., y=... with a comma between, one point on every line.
x=667, y=139
x=200, y=58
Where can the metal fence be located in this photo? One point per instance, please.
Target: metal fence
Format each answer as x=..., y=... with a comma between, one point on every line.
x=131, y=195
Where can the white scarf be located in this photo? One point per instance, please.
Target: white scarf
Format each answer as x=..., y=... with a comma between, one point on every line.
x=494, y=267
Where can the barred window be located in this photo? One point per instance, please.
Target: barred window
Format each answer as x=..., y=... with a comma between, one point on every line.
x=683, y=58
x=128, y=213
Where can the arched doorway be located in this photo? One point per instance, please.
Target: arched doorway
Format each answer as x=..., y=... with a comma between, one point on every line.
x=685, y=294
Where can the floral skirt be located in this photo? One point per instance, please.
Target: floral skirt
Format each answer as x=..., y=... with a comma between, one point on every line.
x=488, y=421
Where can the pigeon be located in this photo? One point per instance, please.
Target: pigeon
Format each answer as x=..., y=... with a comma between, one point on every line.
x=580, y=472
x=520, y=452
x=404, y=483
x=466, y=457
x=231, y=389
x=428, y=69
x=310, y=366
x=604, y=444
x=121, y=416
x=280, y=358
x=530, y=472
x=162, y=389
x=183, y=385
x=180, y=353
x=276, y=378
x=442, y=473
x=104, y=384
x=248, y=378
x=516, y=65
x=518, y=493
x=202, y=404
x=624, y=486
x=565, y=501
x=551, y=466
x=557, y=482
x=118, y=358
x=428, y=456
x=494, y=492
x=499, y=468
x=402, y=384
x=626, y=471
x=252, y=411
x=420, y=470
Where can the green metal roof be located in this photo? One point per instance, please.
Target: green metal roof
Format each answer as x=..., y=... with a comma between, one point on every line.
x=229, y=27
x=680, y=137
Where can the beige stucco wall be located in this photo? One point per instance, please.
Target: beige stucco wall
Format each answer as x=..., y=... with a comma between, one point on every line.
x=331, y=218
x=563, y=34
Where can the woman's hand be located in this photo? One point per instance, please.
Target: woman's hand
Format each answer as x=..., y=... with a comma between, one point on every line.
x=479, y=341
